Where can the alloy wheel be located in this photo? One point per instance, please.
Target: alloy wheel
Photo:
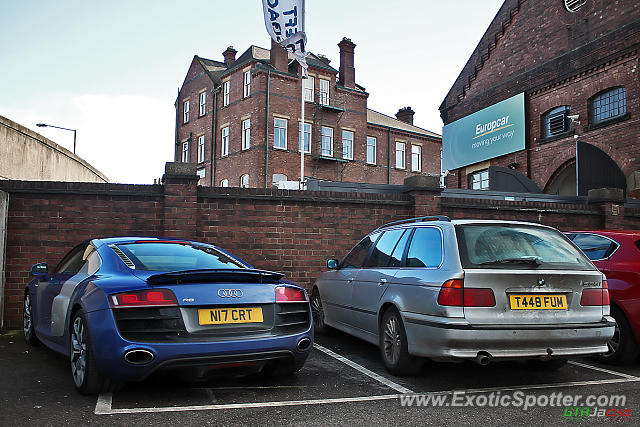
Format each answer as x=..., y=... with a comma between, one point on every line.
x=26, y=315
x=392, y=340
x=317, y=312
x=78, y=351
x=614, y=343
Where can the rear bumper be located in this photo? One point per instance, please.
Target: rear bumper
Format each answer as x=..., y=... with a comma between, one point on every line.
x=110, y=348
x=456, y=339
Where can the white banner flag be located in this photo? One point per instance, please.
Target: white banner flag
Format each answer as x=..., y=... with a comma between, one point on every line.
x=284, y=20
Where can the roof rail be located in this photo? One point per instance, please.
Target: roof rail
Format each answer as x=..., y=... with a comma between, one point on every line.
x=419, y=219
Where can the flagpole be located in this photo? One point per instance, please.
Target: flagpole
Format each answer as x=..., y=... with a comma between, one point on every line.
x=301, y=130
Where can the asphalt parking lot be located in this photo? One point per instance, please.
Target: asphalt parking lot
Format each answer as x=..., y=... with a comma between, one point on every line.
x=343, y=382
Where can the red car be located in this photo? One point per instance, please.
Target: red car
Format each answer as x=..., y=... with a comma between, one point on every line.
x=617, y=255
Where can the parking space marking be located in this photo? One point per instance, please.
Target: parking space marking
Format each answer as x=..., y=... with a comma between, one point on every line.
x=103, y=406
x=362, y=369
x=607, y=371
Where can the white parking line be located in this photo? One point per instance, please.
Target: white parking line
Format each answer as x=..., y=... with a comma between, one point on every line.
x=362, y=369
x=607, y=371
x=103, y=406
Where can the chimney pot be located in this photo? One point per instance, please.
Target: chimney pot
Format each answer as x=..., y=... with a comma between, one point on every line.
x=405, y=115
x=229, y=56
x=347, y=76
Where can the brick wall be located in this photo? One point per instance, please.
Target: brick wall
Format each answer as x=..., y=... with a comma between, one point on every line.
x=557, y=58
x=289, y=231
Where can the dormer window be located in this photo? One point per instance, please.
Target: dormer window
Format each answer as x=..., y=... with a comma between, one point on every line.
x=574, y=5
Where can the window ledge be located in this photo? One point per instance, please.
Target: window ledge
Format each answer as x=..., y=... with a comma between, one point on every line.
x=557, y=137
x=280, y=148
x=608, y=122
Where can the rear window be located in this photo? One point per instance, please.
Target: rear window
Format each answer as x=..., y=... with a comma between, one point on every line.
x=176, y=257
x=514, y=246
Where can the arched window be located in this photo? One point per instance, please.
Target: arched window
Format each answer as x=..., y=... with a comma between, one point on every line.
x=244, y=181
x=607, y=105
x=278, y=177
x=224, y=183
x=574, y=5
x=556, y=121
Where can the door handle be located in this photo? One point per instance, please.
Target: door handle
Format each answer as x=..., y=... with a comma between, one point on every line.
x=382, y=282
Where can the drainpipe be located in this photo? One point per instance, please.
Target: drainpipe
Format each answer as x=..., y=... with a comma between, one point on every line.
x=266, y=137
x=388, y=155
x=214, y=135
x=176, y=151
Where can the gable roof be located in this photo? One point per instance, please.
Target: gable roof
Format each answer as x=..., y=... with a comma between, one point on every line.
x=379, y=119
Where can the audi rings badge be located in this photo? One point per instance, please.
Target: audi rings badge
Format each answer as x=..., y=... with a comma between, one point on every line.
x=230, y=293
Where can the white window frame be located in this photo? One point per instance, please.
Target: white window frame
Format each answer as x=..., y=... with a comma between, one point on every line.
x=309, y=88
x=246, y=134
x=247, y=84
x=324, y=94
x=307, y=137
x=224, y=146
x=203, y=103
x=185, y=111
x=347, y=143
x=226, y=89
x=201, y=149
x=371, y=142
x=201, y=172
x=482, y=181
x=416, y=158
x=279, y=175
x=224, y=182
x=400, y=155
x=323, y=139
x=244, y=181
x=280, y=128
x=185, y=152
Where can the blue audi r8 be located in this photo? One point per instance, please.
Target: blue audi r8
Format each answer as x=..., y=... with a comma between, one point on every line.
x=123, y=308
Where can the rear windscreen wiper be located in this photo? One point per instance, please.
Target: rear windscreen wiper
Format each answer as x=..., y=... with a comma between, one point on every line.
x=524, y=260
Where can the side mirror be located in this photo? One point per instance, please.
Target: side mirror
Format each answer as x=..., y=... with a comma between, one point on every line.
x=40, y=269
x=332, y=264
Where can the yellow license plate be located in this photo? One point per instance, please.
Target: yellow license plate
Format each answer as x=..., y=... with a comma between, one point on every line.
x=226, y=316
x=538, y=302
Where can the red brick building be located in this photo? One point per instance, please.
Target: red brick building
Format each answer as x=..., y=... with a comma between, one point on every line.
x=577, y=63
x=239, y=120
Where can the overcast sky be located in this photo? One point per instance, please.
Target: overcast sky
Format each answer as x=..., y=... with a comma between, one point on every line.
x=112, y=69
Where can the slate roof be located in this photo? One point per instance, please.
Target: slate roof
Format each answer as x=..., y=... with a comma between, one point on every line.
x=376, y=118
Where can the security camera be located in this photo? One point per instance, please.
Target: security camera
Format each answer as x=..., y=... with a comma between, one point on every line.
x=573, y=116
x=445, y=173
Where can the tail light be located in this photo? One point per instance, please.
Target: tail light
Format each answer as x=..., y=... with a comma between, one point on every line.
x=596, y=296
x=143, y=298
x=290, y=294
x=453, y=293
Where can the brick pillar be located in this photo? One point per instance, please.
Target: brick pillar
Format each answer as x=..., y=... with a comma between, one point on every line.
x=425, y=191
x=611, y=202
x=180, y=200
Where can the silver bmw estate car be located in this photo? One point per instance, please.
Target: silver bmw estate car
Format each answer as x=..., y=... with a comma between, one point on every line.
x=466, y=289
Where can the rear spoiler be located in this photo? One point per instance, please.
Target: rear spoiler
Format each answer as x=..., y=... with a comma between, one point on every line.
x=234, y=275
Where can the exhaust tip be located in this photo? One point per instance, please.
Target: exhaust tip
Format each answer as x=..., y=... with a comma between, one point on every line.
x=304, y=344
x=483, y=358
x=138, y=356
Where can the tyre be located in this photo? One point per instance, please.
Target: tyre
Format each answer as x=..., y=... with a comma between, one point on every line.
x=547, y=365
x=317, y=312
x=394, y=347
x=86, y=377
x=27, y=321
x=623, y=348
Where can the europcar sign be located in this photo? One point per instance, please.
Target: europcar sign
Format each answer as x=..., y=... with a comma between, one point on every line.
x=495, y=131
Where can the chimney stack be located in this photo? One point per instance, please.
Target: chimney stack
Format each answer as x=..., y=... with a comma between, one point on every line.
x=229, y=56
x=347, y=76
x=279, y=57
x=405, y=115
